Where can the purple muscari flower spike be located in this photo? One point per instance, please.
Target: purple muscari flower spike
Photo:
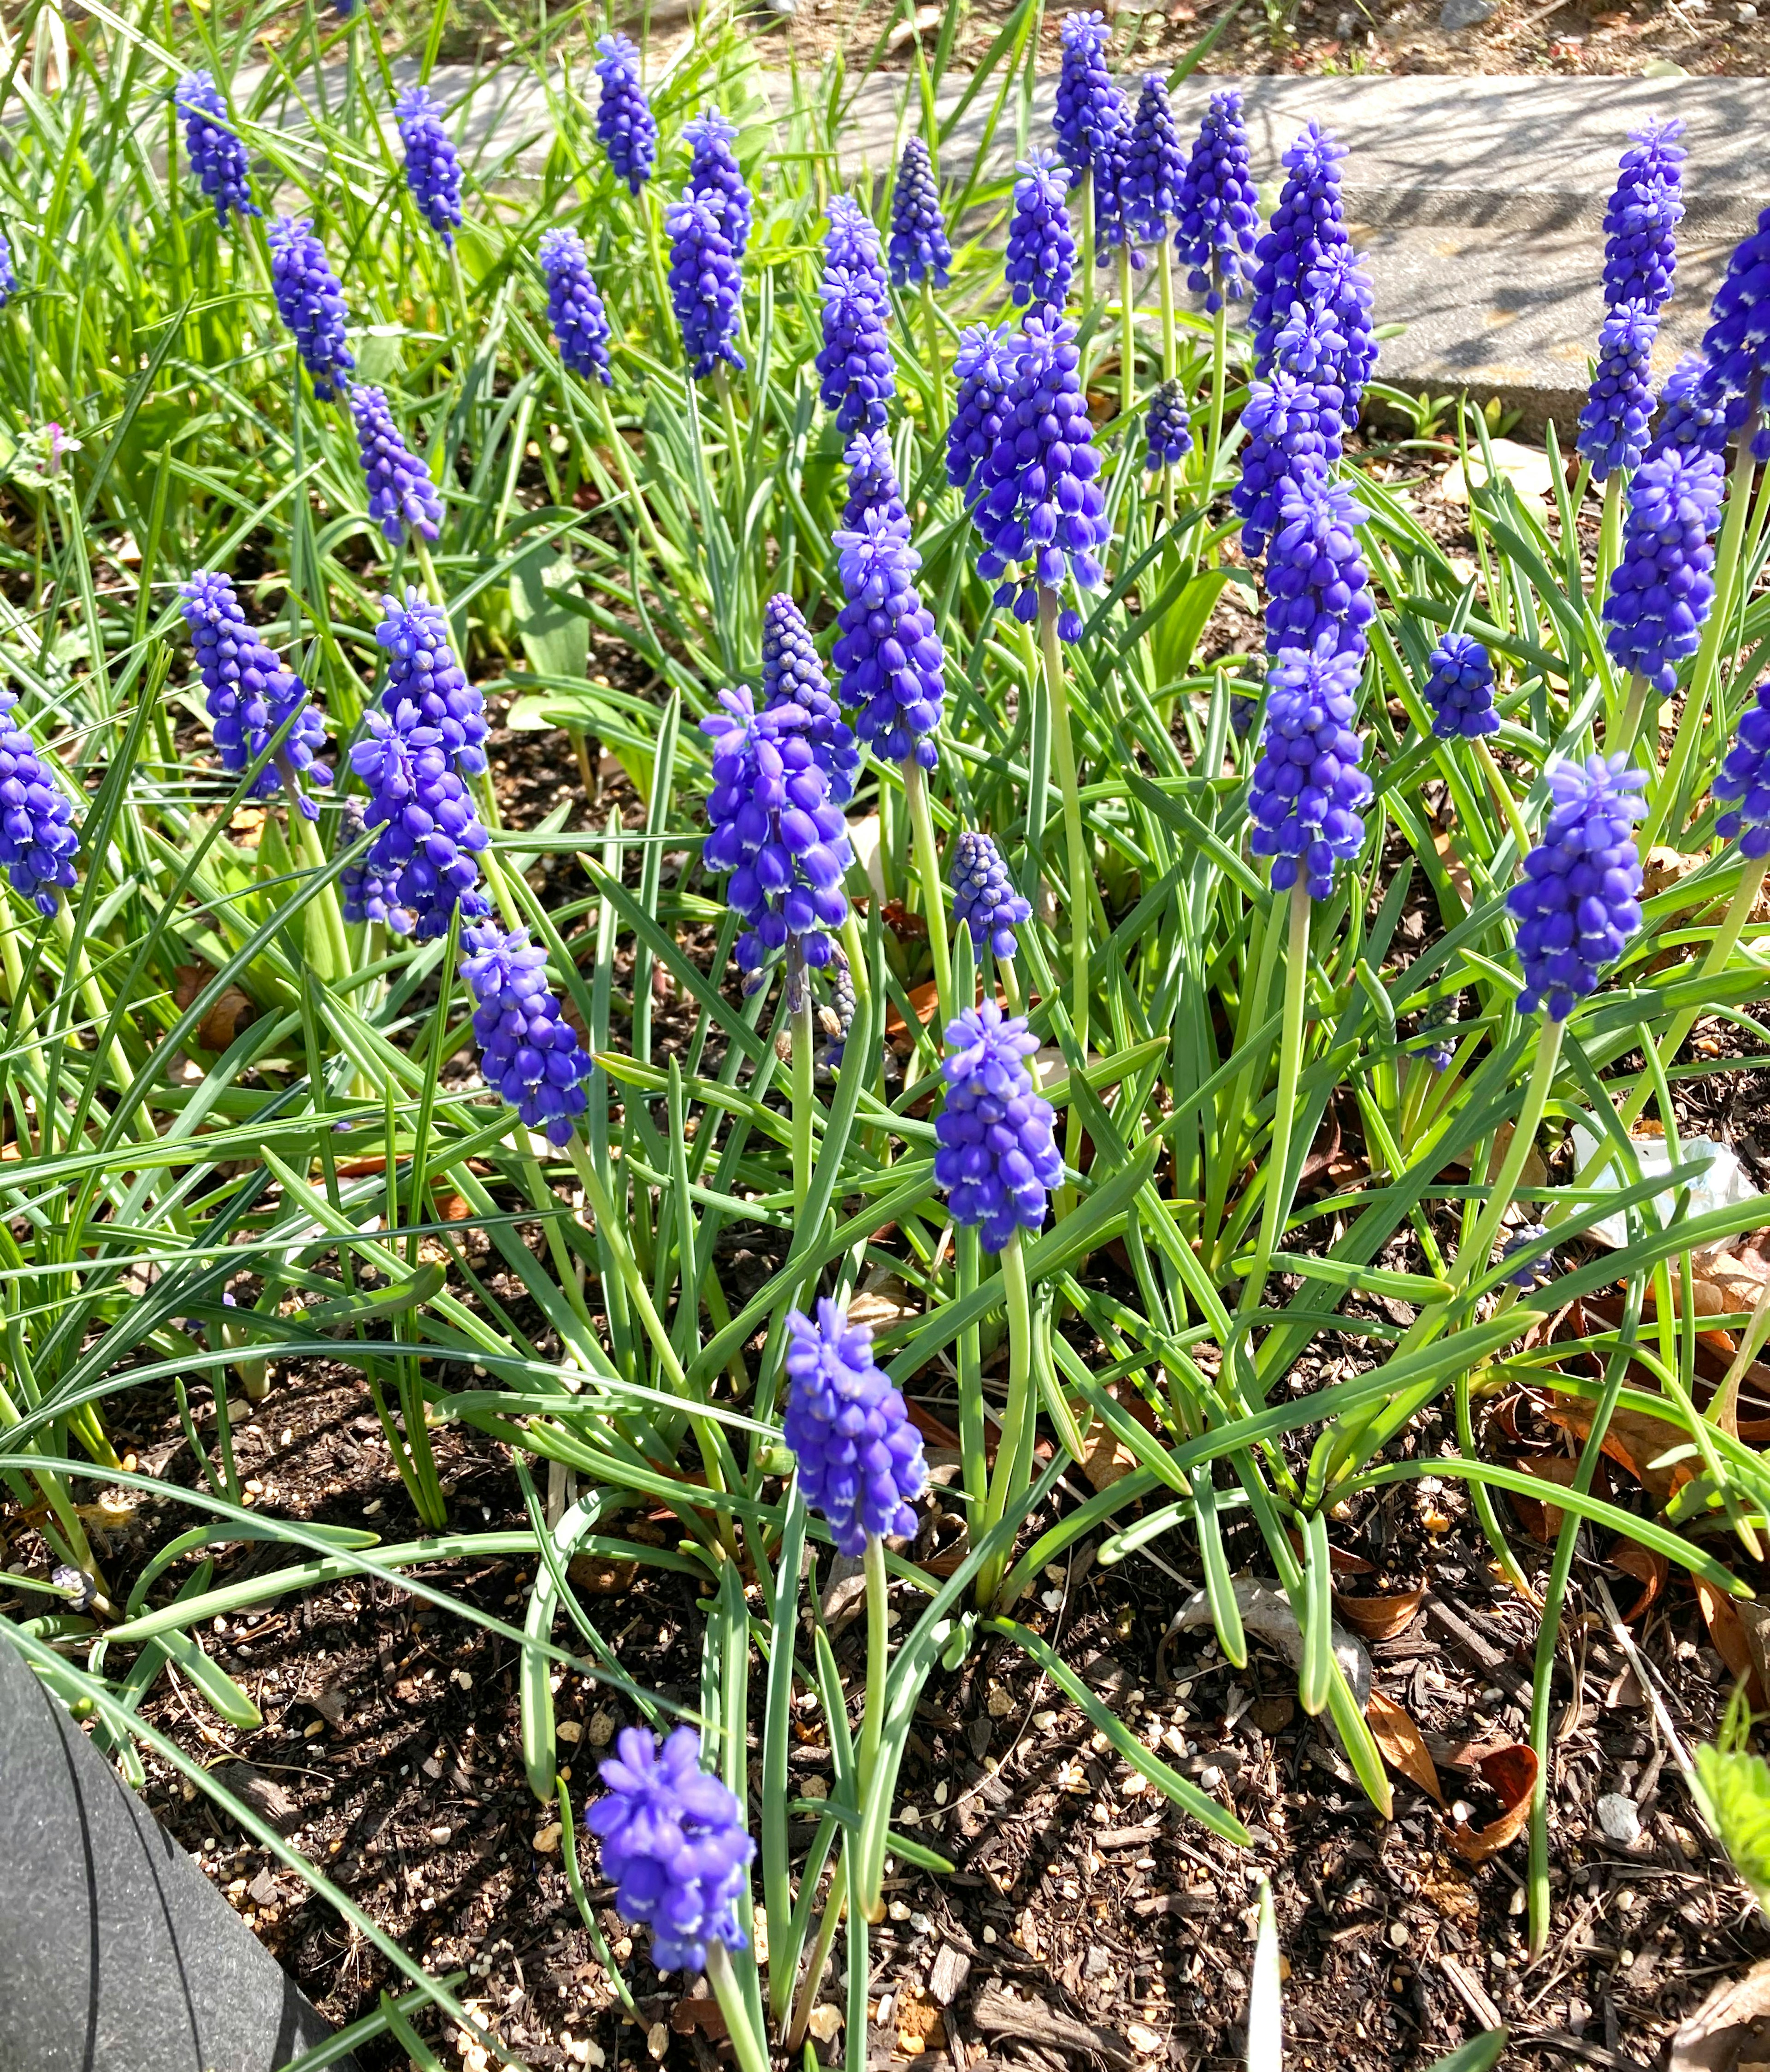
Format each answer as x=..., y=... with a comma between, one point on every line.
x=431, y=836
x=1107, y=180
x=1736, y=345
x=1438, y=1019
x=1088, y=104
x=369, y=890
x=1218, y=206
x=1169, y=426
x=860, y=1458
x=574, y=307
x=1536, y=1272
x=624, y=121
x=873, y=479
x=1642, y=219
x=432, y=171
x=675, y=1845
x=837, y=1018
x=983, y=895
x=995, y=1155
x=919, y=246
x=9, y=280
x=402, y=496
x=1662, y=587
x=1287, y=425
x=1460, y=689
x=1613, y=424
x=852, y=241
x=217, y=154
x=1035, y=499
x=1306, y=226
x=1155, y=166
x=713, y=174
x=1340, y=299
x=1688, y=418
x=891, y=663
x=857, y=380
x=1743, y=783
x=706, y=283
x=422, y=672
x=1307, y=793
x=250, y=695
x=310, y=303
x=792, y=674
x=528, y=1050
x=1316, y=579
x=37, y=845
x=983, y=369
x=1040, y=243
x=776, y=831
x=1578, y=902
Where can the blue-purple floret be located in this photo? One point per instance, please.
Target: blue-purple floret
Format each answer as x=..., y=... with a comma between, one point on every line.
x=1460, y=689
x=1689, y=416
x=1578, y=901
x=1089, y=106
x=1641, y=219
x=1539, y=1269
x=1620, y=403
x=1040, y=243
x=888, y=659
x=369, y=890
x=852, y=240
x=217, y=152
x=38, y=843
x=982, y=370
x=422, y=673
x=1306, y=228
x=624, y=121
x=792, y=674
x=1168, y=428
x=706, y=283
x=1317, y=582
x=1308, y=791
x=579, y=322
x=1219, y=207
x=1155, y=167
x=674, y=1846
x=1736, y=346
x=8, y=278
x=528, y=1051
x=430, y=837
x=920, y=250
x=1742, y=785
x=1339, y=311
x=854, y=364
x=713, y=174
x=873, y=479
x=860, y=1459
x=402, y=497
x=1107, y=180
x=984, y=899
x=995, y=1155
x=1286, y=424
x=1663, y=585
x=432, y=171
x=250, y=695
x=310, y=303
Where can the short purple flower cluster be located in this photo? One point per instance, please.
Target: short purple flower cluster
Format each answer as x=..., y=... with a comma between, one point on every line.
x=1742, y=785
x=891, y=665
x=982, y=369
x=1308, y=792
x=432, y=171
x=1155, y=166
x=422, y=673
x=854, y=366
x=1168, y=428
x=919, y=246
x=984, y=899
x=402, y=497
x=1460, y=689
x=625, y=123
x=860, y=1458
x=38, y=844
x=1317, y=586
x=1663, y=584
x=1040, y=261
x=528, y=1050
x=706, y=283
x=713, y=174
x=1219, y=206
x=1613, y=424
x=1089, y=107
x=1306, y=227
x=426, y=855
x=217, y=154
x=580, y=324
x=873, y=480
x=997, y=1157
x=310, y=303
x=1736, y=345
x=1578, y=901
x=251, y=697
x=793, y=676
x=1537, y=1271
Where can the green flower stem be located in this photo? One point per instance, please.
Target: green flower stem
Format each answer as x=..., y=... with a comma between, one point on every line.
x=330, y=954
x=1639, y=692
x=1502, y=796
x=934, y=895
x=727, y=413
x=1079, y=873
x=622, y=457
x=878, y=1642
x=1296, y=988
x=827, y=1923
x=804, y=1099
x=752, y=2050
x=937, y=376
x=1472, y=1257
x=1128, y=349
x=1165, y=281
x=1010, y=1468
x=1009, y=980
x=1214, y=444
x=1610, y=537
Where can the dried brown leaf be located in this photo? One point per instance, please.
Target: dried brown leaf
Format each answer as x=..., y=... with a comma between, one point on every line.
x=1380, y=1619
x=1404, y=1751
x=1649, y=1567
x=1511, y=1774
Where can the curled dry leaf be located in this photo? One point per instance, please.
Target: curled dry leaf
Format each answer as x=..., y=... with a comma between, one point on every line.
x=1727, y=1632
x=225, y=1018
x=1543, y=1519
x=1731, y=2030
x=1649, y=1569
x=1404, y=1750
x=1633, y=1440
x=1379, y=1619
x=1511, y=1774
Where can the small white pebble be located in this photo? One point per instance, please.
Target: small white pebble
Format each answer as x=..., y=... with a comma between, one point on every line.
x=989, y=1933
x=1397, y=1935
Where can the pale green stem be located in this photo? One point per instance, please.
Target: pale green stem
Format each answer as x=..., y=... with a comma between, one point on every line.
x=878, y=1644
x=1502, y=797
x=934, y=892
x=826, y=1927
x=1471, y=1258
x=1009, y=1470
x=936, y=368
x=1296, y=990
x=1165, y=281
x=1127, y=366
x=623, y=458
x=1079, y=874
x=1610, y=537
x=728, y=411
x=804, y=1099
x=1640, y=693
x=334, y=957
x=432, y=582
x=751, y=2050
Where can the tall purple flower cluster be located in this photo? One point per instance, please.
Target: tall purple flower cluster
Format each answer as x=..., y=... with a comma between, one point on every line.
x=1742, y=785
x=250, y=695
x=528, y=1050
x=854, y=363
x=1168, y=428
x=1316, y=583
x=995, y=1154
x=624, y=121
x=892, y=665
x=1689, y=416
x=983, y=369
x=1613, y=424
x=422, y=673
x=1308, y=792
x=1155, y=167
x=1460, y=689
x=1306, y=227
x=984, y=899
x=1219, y=206
x=310, y=303
x=852, y=240
x=580, y=324
x=37, y=845
x=860, y=1458
x=1641, y=219
x=1287, y=426
x=706, y=283
x=432, y=171
x=713, y=174
x=1089, y=107
x=1578, y=901
x=402, y=497
x=1663, y=585
x=1736, y=345
x=217, y=152
x=427, y=851
x=792, y=674
x=873, y=479
x=920, y=250
x=1040, y=244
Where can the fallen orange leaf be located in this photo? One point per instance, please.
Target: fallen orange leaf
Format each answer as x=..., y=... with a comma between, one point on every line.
x=1512, y=1773
x=1403, y=1750
x=1649, y=1569
x=1379, y=1619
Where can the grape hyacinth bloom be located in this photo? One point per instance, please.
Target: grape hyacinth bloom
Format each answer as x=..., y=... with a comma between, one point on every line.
x=1440, y=1019
x=854, y=364
x=624, y=121
x=1339, y=315
x=37, y=843
x=891, y=663
x=1460, y=689
x=251, y=697
x=402, y=496
x=1218, y=206
x=713, y=174
x=529, y=1052
x=217, y=153
x=432, y=171
x=1089, y=106
x=1532, y=1273
x=1317, y=582
x=1108, y=176
x=1040, y=243
x=873, y=479
x=1688, y=416
x=793, y=676
x=919, y=246
x=776, y=831
x=996, y=1156
x=837, y=1016
x=1578, y=901
x=1155, y=167
x=860, y=1458
x=1641, y=219
x=983, y=895
x=983, y=368
x=310, y=303
x=1743, y=783
x=1663, y=584
x=1307, y=224
x=574, y=307
x=1288, y=424
x=852, y=241
x=422, y=672
x=9, y=279
x=1168, y=428
x=1736, y=345
x=431, y=836
x=1613, y=424
x=706, y=284
x=368, y=889
x=674, y=1846
x=1309, y=792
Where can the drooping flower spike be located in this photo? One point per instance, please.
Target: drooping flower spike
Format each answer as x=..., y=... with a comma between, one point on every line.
x=706, y=284
x=38, y=843
x=217, y=153
x=624, y=121
x=713, y=174
x=1219, y=206
x=433, y=169
x=580, y=324
x=1578, y=903
x=891, y=665
x=920, y=250
x=1743, y=784
x=422, y=673
x=1307, y=224
x=1155, y=168
x=250, y=695
x=528, y=1050
x=1460, y=689
x=983, y=368
x=792, y=674
x=1168, y=427
x=1641, y=219
x=431, y=836
x=1663, y=586
x=857, y=379
x=1040, y=261
x=873, y=479
x=997, y=1157
x=674, y=1846
x=402, y=497
x=310, y=303
x=860, y=1458
x=1613, y=424
x=984, y=899
x=1316, y=581
x=1308, y=792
